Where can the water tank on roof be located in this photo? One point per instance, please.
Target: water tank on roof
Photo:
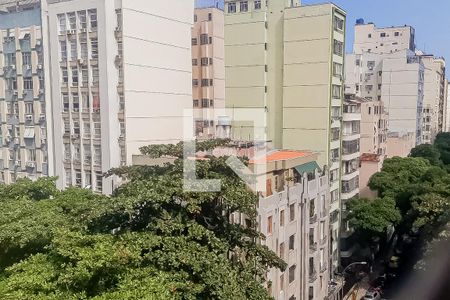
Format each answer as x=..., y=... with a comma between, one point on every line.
x=360, y=21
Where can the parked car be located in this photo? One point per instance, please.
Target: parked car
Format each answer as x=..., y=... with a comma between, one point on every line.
x=372, y=295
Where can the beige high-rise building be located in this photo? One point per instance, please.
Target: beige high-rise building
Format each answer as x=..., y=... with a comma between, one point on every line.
x=287, y=61
x=370, y=39
x=208, y=70
x=434, y=98
x=24, y=147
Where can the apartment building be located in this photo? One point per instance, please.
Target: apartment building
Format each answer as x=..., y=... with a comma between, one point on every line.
x=293, y=214
x=434, y=97
x=287, y=61
x=370, y=39
x=208, y=70
x=109, y=96
x=24, y=147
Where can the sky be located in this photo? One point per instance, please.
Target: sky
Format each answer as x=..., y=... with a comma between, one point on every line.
x=431, y=19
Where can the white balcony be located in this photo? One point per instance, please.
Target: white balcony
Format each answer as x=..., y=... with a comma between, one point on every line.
x=350, y=176
x=352, y=156
x=351, y=136
x=347, y=117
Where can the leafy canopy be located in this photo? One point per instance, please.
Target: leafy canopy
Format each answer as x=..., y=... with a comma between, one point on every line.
x=150, y=240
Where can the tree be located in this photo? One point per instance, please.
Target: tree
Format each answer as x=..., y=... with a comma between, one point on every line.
x=150, y=240
x=429, y=152
x=373, y=217
x=442, y=143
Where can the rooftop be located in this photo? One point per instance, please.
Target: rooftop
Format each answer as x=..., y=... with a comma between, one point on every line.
x=280, y=155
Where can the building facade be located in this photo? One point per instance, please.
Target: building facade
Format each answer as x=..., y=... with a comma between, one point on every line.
x=208, y=70
x=287, y=61
x=434, y=97
x=294, y=216
x=109, y=97
x=24, y=145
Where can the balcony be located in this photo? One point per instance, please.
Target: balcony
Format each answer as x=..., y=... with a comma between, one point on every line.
x=348, y=117
x=312, y=276
x=313, y=219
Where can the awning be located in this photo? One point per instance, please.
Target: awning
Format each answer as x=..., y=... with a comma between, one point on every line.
x=307, y=168
x=29, y=133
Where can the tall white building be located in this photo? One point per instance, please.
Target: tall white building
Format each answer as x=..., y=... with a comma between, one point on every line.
x=384, y=67
x=121, y=78
x=24, y=145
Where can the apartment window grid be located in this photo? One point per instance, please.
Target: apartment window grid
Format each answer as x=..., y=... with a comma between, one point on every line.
x=26, y=58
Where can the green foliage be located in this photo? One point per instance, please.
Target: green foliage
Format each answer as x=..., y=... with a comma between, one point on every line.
x=429, y=152
x=442, y=143
x=373, y=217
x=150, y=240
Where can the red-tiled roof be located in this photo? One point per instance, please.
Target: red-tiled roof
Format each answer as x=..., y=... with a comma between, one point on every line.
x=281, y=155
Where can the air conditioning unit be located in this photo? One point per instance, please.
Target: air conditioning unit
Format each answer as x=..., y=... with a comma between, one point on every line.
x=71, y=31
x=28, y=118
x=83, y=30
x=81, y=61
x=13, y=67
x=28, y=67
x=17, y=162
x=42, y=118
x=31, y=164
x=16, y=141
x=7, y=139
x=15, y=93
x=41, y=91
x=39, y=67
x=75, y=136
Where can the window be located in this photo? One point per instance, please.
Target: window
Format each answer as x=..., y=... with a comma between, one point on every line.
x=87, y=133
x=98, y=182
x=231, y=7
x=195, y=103
x=210, y=17
x=312, y=208
x=383, y=34
x=338, y=48
x=94, y=48
x=204, y=39
x=26, y=58
x=210, y=40
x=63, y=50
x=65, y=100
x=74, y=76
x=282, y=218
x=204, y=61
x=97, y=155
x=29, y=110
x=244, y=6
x=292, y=242
x=257, y=4
x=311, y=293
x=195, y=18
x=205, y=82
x=72, y=21
x=27, y=83
x=269, y=225
x=75, y=102
x=82, y=18
x=369, y=35
x=62, y=22
x=397, y=33
x=292, y=273
x=282, y=250
x=73, y=49
x=12, y=83
x=336, y=93
x=194, y=42
x=205, y=103
x=93, y=18
x=281, y=282
x=97, y=130
x=195, y=82
x=95, y=75
x=84, y=48
x=211, y=61
x=211, y=82
x=338, y=24
x=292, y=212
x=84, y=75
x=337, y=69
x=194, y=62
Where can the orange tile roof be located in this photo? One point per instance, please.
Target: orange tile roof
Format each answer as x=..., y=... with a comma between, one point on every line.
x=281, y=155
